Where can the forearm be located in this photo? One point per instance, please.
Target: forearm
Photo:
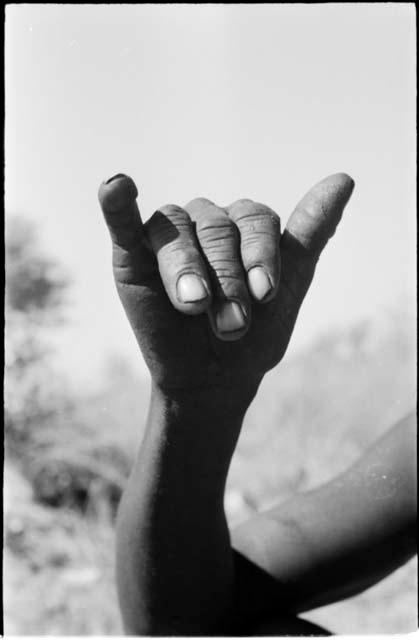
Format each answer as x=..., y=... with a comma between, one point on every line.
x=313, y=566
x=336, y=541
x=174, y=561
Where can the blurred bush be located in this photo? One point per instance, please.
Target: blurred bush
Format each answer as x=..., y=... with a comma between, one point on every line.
x=70, y=448
x=35, y=295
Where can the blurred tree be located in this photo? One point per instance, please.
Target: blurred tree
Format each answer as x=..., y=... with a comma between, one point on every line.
x=35, y=283
x=35, y=292
x=66, y=445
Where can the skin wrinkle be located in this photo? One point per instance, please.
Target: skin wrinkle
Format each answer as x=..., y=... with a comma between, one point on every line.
x=255, y=225
x=209, y=242
x=259, y=226
x=218, y=219
x=257, y=217
x=224, y=263
x=163, y=224
x=251, y=241
x=173, y=212
x=211, y=233
x=179, y=249
x=227, y=278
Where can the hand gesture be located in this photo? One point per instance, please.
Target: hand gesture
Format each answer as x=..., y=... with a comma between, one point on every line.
x=212, y=293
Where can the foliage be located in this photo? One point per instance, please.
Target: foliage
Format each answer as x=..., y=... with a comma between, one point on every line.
x=35, y=284
x=35, y=300
x=48, y=431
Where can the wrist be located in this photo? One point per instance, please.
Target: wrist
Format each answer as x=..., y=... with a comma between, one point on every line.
x=220, y=401
x=193, y=435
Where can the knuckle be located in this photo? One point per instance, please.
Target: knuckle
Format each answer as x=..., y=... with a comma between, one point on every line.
x=173, y=213
x=217, y=239
x=257, y=220
x=239, y=204
x=253, y=210
x=180, y=254
x=242, y=208
x=199, y=204
x=169, y=224
x=216, y=231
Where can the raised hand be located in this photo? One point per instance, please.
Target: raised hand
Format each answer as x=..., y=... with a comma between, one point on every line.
x=213, y=293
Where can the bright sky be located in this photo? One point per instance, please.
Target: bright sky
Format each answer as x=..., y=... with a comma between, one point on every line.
x=221, y=101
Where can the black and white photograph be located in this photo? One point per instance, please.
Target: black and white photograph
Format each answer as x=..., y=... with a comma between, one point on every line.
x=210, y=384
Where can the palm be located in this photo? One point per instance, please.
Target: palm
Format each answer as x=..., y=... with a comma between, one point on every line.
x=182, y=351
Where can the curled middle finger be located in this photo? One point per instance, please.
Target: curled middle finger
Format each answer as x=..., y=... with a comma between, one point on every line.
x=219, y=241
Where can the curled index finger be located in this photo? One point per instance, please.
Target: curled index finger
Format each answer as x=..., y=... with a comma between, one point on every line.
x=182, y=268
x=218, y=238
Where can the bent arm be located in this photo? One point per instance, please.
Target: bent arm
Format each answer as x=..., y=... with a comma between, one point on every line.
x=337, y=540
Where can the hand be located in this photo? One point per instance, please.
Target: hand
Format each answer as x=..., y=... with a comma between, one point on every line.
x=213, y=293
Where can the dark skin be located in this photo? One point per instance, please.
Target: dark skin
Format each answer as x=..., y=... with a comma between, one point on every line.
x=184, y=353
x=212, y=295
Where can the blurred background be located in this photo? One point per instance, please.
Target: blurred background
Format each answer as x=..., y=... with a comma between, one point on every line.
x=225, y=102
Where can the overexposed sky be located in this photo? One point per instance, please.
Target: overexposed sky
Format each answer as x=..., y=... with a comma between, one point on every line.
x=220, y=101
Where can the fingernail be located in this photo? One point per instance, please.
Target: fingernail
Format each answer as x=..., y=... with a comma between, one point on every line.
x=230, y=317
x=115, y=177
x=191, y=288
x=259, y=283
